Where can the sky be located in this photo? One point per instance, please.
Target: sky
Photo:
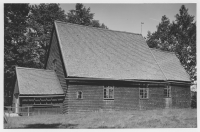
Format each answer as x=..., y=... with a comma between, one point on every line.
x=128, y=17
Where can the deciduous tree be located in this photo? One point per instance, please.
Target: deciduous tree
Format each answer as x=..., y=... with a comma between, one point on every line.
x=15, y=21
x=41, y=21
x=82, y=15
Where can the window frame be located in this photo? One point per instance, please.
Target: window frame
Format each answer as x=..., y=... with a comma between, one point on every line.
x=146, y=89
x=168, y=94
x=77, y=95
x=108, y=88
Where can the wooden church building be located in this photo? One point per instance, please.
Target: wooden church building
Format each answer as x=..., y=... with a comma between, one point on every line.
x=92, y=69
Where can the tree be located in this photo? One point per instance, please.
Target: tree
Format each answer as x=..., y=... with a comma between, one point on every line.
x=27, y=32
x=81, y=15
x=184, y=29
x=152, y=39
x=15, y=21
x=162, y=38
x=178, y=36
x=41, y=21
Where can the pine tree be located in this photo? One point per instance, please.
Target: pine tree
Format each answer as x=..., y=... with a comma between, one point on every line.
x=178, y=36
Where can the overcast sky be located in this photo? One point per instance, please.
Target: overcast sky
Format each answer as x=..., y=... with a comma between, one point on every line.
x=128, y=17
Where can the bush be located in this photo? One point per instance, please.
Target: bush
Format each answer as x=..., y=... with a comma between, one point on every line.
x=194, y=101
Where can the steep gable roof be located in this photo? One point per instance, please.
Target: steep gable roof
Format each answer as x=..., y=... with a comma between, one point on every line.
x=101, y=53
x=170, y=65
x=37, y=81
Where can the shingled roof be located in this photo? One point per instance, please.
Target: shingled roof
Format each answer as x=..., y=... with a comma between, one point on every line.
x=170, y=65
x=37, y=81
x=101, y=53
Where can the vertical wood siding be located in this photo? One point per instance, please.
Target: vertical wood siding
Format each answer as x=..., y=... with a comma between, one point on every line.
x=181, y=97
x=54, y=53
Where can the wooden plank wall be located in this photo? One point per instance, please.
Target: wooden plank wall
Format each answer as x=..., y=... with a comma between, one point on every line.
x=156, y=99
x=92, y=98
x=181, y=97
x=125, y=98
x=55, y=54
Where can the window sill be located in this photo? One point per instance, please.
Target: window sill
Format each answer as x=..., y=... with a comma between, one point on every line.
x=144, y=98
x=108, y=99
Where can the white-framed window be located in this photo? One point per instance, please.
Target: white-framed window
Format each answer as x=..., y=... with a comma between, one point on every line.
x=54, y=64
x=144, y=93
x=79, y=95
x=167, y=92
x=108, y=92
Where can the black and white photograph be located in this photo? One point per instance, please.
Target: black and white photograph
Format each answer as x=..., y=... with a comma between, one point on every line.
x=99, y=65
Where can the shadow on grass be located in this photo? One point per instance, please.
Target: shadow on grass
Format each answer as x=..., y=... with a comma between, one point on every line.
x=57, y=125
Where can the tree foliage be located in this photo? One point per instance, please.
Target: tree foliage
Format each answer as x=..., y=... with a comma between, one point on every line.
x=41, y=21
x=179, y=37
x=81, y=15
x=184, y=29
x=27, y=32
x=15, y=22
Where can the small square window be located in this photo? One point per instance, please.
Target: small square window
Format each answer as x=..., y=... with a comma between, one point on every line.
x=79, y=95
x=108, y=93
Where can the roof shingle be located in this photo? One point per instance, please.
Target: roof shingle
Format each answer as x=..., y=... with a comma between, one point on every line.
x=170, y=65
x=101, y=53
x=37, y=81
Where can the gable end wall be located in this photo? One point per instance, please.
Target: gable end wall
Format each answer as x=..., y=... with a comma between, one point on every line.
x=54, y=53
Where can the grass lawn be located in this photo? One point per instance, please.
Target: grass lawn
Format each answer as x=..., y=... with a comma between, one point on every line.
x=166, y=118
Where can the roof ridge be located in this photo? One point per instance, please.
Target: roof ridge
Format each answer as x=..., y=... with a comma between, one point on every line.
x=171, y=52
x=96, y=28
x=28, y=68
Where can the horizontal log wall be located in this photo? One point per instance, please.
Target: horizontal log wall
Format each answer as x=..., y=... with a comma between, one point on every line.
x=125, y=98
x=181, y=97
x=92, y=98
x=156, y=99
x=54, y=53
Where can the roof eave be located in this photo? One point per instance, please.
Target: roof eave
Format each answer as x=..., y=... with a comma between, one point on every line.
x=60, y=50
x=41, y=95
x=180, y=82
x=128, y=80
x=112, y=79
x=49, y=46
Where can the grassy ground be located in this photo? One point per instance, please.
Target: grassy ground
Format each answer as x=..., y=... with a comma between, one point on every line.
x=167, y=118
